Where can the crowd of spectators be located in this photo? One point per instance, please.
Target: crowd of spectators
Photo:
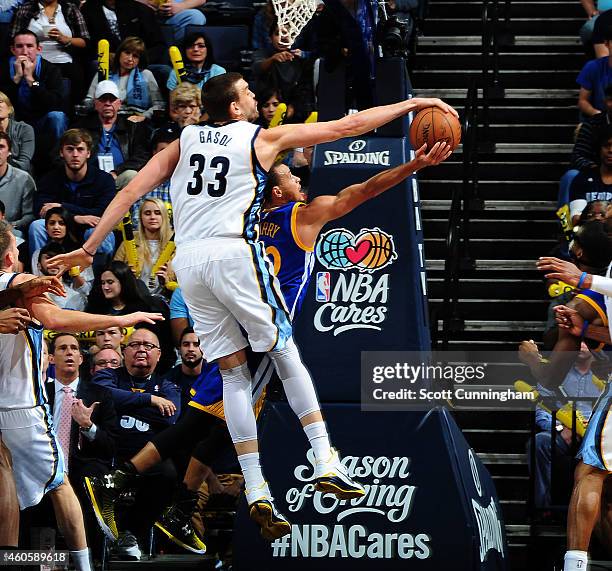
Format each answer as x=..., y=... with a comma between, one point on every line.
x=69, y=141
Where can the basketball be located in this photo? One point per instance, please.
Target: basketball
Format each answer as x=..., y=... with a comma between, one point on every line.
x=431, y=125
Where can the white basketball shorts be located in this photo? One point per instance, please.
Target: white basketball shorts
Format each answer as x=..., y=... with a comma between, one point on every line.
x=38, y=462
x=231, y=291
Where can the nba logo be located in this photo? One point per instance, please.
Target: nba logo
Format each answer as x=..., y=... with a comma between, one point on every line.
x=323, y=286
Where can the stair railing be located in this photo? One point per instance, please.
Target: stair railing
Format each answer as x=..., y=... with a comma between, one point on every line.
x=491, y=40
x=457, y=238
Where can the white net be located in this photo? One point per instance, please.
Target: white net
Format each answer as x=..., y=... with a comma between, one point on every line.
x=292, y=16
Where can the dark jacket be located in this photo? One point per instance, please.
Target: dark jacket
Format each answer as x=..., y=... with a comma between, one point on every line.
x=133, y=19
x=84, y=452
x=586, y=151
x=139, y=420
x=134, y=140
x=91, y=196
x=49, y=96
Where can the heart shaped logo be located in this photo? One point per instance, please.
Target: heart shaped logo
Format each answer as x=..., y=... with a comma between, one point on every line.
x=359, y=252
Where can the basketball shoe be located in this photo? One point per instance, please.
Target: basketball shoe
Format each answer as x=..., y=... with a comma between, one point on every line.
x=332, y=477
x=175, y=522
x=273, y=524
x=103, y=493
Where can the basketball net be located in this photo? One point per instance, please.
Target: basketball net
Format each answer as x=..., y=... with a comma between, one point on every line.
x=292, y=16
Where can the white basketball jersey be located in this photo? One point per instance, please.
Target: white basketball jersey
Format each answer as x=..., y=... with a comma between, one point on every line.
x=217, y=186
x=21, y=383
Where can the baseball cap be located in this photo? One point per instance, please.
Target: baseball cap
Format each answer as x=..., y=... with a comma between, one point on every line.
x=106, y=87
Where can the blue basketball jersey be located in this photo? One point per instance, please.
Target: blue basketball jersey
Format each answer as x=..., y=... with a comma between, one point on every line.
x=293, y=261
x=598, y=303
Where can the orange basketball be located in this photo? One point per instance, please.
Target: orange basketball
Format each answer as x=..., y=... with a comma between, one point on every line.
x=431, y=125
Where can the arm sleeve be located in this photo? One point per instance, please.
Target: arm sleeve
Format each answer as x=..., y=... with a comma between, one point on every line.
x=27, y=204
x=157, y=101
x=602, y=285
x=586, y=76
x=543, y=419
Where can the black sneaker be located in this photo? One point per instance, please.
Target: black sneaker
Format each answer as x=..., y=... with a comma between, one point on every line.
x=103, y=493
x=176, y=524
x=127, y=548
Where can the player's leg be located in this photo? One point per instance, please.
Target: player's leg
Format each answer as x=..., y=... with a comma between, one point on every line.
x=9, y=505
x=259, y=307
x=70, y=522
x=583, y=514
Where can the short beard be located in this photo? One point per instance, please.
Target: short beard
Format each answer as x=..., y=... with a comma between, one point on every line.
x=190, y=364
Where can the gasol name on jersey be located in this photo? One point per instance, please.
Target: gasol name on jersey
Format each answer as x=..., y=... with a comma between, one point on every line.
x=214, y=137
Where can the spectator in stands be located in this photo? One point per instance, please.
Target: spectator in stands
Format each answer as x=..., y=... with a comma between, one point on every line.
x=77, y=284
x=177, y=15
x=189, y=370
x=115, y=21
x=59, y=226
x=595, y=184
x=120, y=146
x=64, y=35
x=117, y=290
x=179, y=316
x=185, y=105
x=81, y=188
x=263, y=21
x=110, y=338
x=599, y=19
x=151, y=239
x=106, y=359
x=137, y=88
x=86, y=431
x=268, y=101
x=594, y=77
x=35, y=88
x=17, y=190
x=199, y=61
x=579, y=382
x=585, y=154
x=161, y=139
x=21, y=135
x=288, y=70
x=595, y=210
x=147, y=404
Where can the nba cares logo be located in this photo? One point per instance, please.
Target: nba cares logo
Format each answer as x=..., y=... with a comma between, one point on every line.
x=370, y=250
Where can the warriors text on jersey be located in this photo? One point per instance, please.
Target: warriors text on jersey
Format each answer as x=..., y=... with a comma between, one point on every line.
x=293, y=261
x=217, y=186
x=21, y=384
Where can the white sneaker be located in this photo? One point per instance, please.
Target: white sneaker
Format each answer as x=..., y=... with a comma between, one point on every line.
x=262, y=510
x=331, y=477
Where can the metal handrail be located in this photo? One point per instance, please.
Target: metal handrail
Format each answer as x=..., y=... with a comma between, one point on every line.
x=491, y=39
x=457, y=238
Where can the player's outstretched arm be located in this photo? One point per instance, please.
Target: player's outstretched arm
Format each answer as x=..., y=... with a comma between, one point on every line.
x=270, y=142
x=52, y=317
x=159, y=168
x=322, y=209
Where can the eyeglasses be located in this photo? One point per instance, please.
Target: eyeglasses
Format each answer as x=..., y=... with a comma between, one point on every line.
x=105, y=362
x=200, y=46
x=135, y=345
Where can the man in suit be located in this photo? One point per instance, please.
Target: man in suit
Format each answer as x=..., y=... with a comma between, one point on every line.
x=84, y=414
x=85, y=421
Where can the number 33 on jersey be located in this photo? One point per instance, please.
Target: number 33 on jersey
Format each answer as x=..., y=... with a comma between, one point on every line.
x=217, y=173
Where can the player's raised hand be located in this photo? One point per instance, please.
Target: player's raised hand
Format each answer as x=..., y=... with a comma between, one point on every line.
x=422, y=102
x=75, y=258
x=38, y=286
x=14, y=320
x=438, y=153
x=560, y=270
x=139, y=317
